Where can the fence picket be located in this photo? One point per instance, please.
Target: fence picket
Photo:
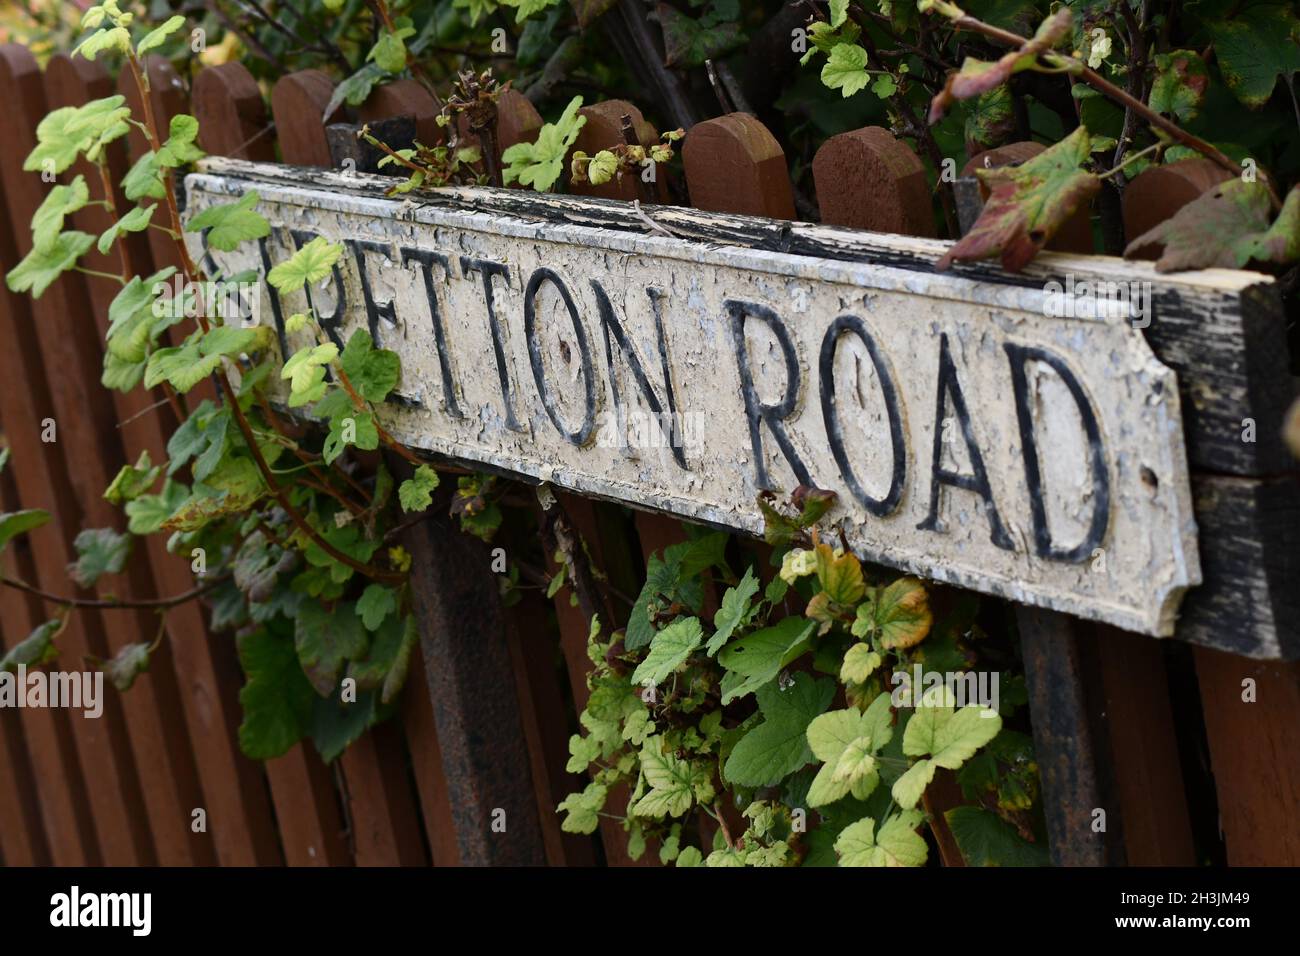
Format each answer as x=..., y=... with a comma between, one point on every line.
x=41, y=477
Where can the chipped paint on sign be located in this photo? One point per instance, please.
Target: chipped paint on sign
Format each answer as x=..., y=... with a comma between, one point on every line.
x=970, y=437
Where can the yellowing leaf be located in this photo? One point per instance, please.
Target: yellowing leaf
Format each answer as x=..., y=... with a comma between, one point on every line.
x=899, y=615
x=1028, y=204
x=1228, y=227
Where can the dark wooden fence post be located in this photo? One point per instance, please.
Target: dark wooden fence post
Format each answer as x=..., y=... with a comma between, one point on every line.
x=468, y=668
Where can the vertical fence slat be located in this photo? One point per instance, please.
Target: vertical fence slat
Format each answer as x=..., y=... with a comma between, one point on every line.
x=734, y=164
x=867, y=179
x=1254, y=753
x=236, y=122
x=307, y=806
x=41, y=477
x=234, y=797
x=70, y=349
x=388, y=812
x=426, y=763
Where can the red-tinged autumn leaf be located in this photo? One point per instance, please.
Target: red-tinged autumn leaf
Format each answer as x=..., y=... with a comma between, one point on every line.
x=976, y=76
x=1027, y=204
x=1228, y=227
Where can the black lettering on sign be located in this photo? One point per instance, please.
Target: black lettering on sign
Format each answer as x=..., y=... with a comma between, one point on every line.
x=1019, y=355
x=488, y=269
x=852, y=325
x=426, y=259
x=583, y=433
x=332, y=323
x=978, y=481
x=277, y=313
x=611, y=327
x=374, y=310
x=758, y=413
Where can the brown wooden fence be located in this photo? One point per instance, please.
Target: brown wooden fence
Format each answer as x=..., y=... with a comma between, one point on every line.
x=1119, y=719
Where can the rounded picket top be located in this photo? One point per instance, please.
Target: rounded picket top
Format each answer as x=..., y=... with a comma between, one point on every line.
x=232, y=116
x=298, y=104
x=1076, y=234
x=734, y=164
x=404, y=98
x=867, y=179
x=1157, y=193
x=517, y=120
x=604, y=130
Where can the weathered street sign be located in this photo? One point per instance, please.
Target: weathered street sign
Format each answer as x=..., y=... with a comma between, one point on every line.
x=1020, y=439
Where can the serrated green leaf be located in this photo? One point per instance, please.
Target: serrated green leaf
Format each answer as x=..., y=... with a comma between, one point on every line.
x=144, y=179
x=326, y=640
x=230, y=224
x=60, y=202
x=100, y=551
x=540, y=163
x=180, y=147
x=372, y=372
x=778, y=746
x=35, y=649
x=375, y=604
x=846, y=69
x=126, y=665
x=137, y=220
x=276, y=698
x=669, y=650
x=897, y=843
x=312, y=263
x=14, y=523
x=157, y=37
x=41, y=267
x=416, y=492
x=735, y=609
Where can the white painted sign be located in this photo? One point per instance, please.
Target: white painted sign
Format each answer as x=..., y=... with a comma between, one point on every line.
x=975, y=433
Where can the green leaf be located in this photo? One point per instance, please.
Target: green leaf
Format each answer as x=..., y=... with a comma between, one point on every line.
x=540, y=163
x=312, y=263
x=156, y=38
x=375, y=604
x=147, y=513
x=327, y=639
x=834, y=733
x=336, y=724
x=1226, y=226
x=41, y=267
x=846, y=69
x=276, y=698
x=908, y=788
x=675, y=784
x=71, y=130
x=1254, y=48
x=688, y=42
x=840, y=577
x=1180, y=84
x=229, y=224
x=735, y=609
x=306, y=368
x=897, y=843
x=778, y=746
x=133, y=480
x=860, y=662
x=372, y=372
x=14, y=523
x=35, y=649
x=100, y=551
x=137, y=220
x=416, y=492
x=1028, y=204
x=386, y=666
x=180, y=148
x=758, y=658
x=187, y=365
x=526, y=8
x=126, y=665
x=144, y=179
x=582, y=810
x=839, y=12
x=389, y=53
x=985, y=839
x=60, y=202
x=950, y=737
x=669, y=650
x=112, y=38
